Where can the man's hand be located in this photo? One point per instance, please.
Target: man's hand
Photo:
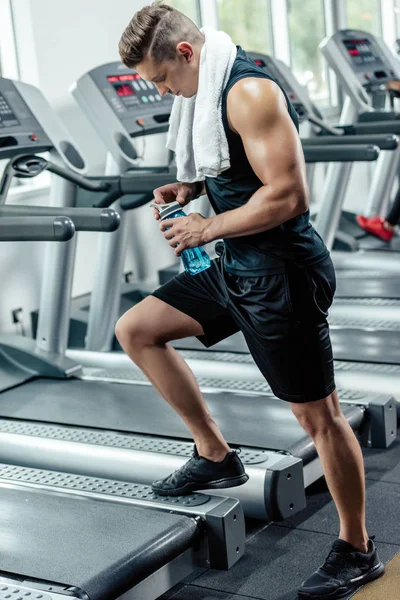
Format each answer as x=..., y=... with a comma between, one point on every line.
x=174, y=192
x=185, y=232
x=394, y=85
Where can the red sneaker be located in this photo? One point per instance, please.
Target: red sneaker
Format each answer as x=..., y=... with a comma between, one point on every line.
x=375, y=226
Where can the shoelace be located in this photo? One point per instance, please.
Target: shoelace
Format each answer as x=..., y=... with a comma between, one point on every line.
x=335, y=560
x=182, y=470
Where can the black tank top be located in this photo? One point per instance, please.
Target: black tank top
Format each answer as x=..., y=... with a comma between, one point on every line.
x=295, y=241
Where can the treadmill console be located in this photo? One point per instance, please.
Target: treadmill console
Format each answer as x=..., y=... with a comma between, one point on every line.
x=369, y=60
x=20, y=131
x=271, y=67
x=134, y=101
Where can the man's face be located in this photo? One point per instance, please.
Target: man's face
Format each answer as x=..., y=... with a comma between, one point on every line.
x=178, y=76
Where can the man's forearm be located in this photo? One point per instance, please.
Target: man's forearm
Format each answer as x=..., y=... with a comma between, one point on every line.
x=262, y=212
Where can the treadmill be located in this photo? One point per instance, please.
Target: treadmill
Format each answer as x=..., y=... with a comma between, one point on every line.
x=364, y=64
x=66, y=535
x=52, y=419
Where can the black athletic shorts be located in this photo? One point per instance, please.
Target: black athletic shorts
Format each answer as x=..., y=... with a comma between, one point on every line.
x=282, y=317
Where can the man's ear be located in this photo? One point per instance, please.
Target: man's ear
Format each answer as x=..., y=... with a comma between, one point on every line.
x=185, y=49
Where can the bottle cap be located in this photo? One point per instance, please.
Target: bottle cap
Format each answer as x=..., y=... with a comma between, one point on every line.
x=167, y=209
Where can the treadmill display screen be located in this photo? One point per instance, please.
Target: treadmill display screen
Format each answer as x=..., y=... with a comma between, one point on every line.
x=7, y=116
x=123, y=89
x=360, y=51
x=127, y=87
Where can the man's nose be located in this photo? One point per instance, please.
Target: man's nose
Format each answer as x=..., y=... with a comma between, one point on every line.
x=162, y=89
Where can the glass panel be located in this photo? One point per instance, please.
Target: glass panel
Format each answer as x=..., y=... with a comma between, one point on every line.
x=364, y=14
x=247, y=22
x=306, y=31
x=188, y=7
x=397, y=17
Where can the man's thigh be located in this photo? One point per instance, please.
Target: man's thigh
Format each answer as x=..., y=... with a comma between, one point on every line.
x=203, y=298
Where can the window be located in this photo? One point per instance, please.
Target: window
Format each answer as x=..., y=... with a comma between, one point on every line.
x=306, y=31
x=397, y=17
x=8, y=54
x=364, y=15
x=188, y=7
x=247, y=22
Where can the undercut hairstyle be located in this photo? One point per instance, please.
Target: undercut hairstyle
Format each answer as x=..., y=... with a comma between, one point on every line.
x=155, y=31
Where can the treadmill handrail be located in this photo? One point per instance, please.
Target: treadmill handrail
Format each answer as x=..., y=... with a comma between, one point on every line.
x=377, y=116
x=371, y=128
x=351, y=153
x=85, y=219
x=134, y=182
x=384, y=142
x=36, y=229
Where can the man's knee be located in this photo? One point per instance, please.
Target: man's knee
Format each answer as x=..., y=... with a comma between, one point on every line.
x=318, y=418
x=136, y=329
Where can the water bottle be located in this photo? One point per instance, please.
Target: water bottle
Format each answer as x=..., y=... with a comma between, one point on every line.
x=194, y=260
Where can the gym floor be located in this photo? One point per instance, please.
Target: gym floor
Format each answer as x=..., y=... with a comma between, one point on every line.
x=279, y=556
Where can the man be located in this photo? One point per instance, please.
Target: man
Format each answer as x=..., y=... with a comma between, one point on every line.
x=274, y=282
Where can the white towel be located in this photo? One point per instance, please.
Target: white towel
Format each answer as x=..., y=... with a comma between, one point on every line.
x=196, y=132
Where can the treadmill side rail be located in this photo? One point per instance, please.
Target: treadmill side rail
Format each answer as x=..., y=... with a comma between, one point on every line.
x=225, y=524
x=380, y=429
x=285, y=493
x=12, y=588
x=382, y=414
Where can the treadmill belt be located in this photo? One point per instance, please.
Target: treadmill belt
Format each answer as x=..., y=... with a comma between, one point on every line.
x=102, y=548
x=235, y=343
x=253, y=421
x=367, y=288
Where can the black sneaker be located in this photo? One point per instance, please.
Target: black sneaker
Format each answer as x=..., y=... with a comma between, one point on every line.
x=345, y=570
x=199, y=473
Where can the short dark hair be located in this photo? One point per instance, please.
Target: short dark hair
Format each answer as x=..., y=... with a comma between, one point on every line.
x=156, y=30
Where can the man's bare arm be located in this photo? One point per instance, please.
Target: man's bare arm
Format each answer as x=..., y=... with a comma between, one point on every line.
x=257, y=111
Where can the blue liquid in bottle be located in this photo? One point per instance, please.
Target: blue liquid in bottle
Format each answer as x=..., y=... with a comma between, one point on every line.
x=195, y=260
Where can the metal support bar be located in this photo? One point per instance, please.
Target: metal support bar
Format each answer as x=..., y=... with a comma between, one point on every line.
x=56, y=291
x=328, y=217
